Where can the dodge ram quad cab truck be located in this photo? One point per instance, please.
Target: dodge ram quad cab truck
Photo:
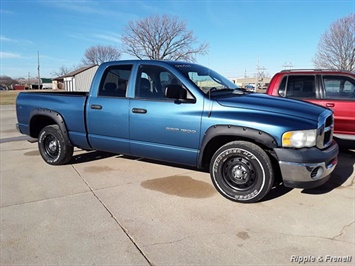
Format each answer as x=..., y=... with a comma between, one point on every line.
x=186, y=114
x=334, y=89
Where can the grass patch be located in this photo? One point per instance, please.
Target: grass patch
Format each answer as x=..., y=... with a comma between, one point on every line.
x=8, y=97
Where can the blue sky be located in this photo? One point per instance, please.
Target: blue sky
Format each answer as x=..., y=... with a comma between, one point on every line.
x=240, y=33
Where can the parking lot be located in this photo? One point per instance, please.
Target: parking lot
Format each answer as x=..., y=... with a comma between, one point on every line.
x=109, y=209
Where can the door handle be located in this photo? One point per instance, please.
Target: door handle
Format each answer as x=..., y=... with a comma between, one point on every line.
x=96, y=106
x=139, y=111
x=330, y=104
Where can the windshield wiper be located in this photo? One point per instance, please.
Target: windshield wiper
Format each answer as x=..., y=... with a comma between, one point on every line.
x=239, y=91
x=234, y=91
x=214, y=89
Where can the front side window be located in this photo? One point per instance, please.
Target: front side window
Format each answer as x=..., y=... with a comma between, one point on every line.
x=115, y=80
x=153, y=80
x=300, y=86
x=337, y=87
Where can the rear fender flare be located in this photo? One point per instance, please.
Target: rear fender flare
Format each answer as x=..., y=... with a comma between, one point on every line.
x=53, y=115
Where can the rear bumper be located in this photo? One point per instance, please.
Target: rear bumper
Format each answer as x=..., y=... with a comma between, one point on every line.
x=345, y=136
x=307, y=168
x=18, y=128
x=21, y=128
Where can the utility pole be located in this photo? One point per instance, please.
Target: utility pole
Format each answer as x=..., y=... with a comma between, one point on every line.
x=39, y=75
x=259, y=74
x=29, y=81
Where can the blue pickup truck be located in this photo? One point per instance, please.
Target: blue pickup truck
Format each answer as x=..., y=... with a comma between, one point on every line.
x=186, y=114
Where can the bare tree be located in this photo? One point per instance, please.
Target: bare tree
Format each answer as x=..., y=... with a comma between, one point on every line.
x=336, y=48
x=63, y=70
x=98, y=54
x=7, y=82
x=161, y=38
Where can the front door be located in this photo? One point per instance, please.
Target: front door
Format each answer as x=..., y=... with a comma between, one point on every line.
x=162, y=128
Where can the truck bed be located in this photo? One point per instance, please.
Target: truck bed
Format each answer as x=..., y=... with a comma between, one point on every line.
x=71, y=106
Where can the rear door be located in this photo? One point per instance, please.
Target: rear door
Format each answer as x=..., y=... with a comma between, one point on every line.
x=107, y=112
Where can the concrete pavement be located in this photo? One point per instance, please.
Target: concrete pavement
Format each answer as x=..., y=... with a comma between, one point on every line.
x=108, y=209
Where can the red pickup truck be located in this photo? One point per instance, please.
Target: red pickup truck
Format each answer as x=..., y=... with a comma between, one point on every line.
x=334, y=89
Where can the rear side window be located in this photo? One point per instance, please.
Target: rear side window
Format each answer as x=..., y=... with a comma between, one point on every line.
x=337, y=87
x=299, y=86
x=115, y=80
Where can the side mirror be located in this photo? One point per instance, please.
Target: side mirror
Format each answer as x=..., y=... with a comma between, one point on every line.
x=175, y=92
x=282, y=93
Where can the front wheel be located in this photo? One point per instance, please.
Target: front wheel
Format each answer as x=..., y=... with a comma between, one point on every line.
x=242, y=171
x=53, y=146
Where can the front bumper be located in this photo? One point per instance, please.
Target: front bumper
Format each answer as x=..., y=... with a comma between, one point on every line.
x=307, y=167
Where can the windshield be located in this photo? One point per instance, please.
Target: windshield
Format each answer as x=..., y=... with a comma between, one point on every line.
x=206, y=79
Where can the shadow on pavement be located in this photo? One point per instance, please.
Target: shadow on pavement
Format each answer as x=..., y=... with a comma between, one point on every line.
x=342, y=172
x=90, y=156
x=276, y=191
x=345, y=145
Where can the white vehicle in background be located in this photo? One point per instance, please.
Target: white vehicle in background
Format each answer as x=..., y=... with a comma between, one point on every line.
x=250, y=88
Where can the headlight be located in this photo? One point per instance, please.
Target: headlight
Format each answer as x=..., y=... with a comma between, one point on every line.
x=299, y=139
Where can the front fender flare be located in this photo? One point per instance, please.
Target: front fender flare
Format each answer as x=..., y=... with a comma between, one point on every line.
x=237, y=132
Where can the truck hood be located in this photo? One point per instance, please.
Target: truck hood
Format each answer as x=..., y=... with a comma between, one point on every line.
x=273, y=104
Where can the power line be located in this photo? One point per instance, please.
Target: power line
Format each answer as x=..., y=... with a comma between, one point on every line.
x=287, y=65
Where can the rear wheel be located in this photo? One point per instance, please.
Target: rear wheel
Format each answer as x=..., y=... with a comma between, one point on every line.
x=242, y=171
x=53, y=146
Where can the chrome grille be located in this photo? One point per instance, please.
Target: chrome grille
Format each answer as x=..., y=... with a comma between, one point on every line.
x=325, y=129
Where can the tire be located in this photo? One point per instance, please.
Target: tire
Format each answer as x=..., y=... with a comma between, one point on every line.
x=54, y=148
x=241, y=171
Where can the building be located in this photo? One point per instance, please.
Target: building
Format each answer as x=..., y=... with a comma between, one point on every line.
x=244, y=82
x=77, y=80
x=46, y=83
x=32, y=84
